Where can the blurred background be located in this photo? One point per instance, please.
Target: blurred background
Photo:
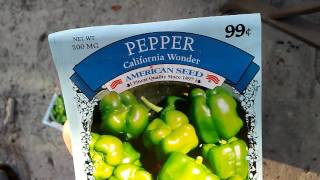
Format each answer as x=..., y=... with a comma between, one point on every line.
x=28, y=79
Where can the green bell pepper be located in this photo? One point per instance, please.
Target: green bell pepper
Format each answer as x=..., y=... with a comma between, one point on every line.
x=228, y=160
x=123, y=115
x=180, y=166
x=58, y=111
x=171, y=132
x=109, y=155
x=214, y=114
x=130, y=155
x=130, y=172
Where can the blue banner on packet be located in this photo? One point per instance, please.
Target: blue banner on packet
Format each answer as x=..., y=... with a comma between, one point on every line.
x=203, y=52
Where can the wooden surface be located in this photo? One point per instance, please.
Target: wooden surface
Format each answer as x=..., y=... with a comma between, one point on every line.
x=291, y=117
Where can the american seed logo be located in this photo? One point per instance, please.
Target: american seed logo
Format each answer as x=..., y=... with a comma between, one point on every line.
x=115, y=83
x=213, y=78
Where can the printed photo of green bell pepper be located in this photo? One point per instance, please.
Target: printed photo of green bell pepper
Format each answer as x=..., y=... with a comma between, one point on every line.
x=115, y=160
x=122, y=115
x=171, y=132
x=214, y=114
x=170, y=136
x=130, y=172
x=181, y=166
x=228, y=159
x=58, y=111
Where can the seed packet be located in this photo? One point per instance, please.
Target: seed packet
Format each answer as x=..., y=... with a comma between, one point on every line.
x=164, y=100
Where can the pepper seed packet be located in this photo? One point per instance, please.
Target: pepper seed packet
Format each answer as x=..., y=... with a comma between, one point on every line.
x=164, y=100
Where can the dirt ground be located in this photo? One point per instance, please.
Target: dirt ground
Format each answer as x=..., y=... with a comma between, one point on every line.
x=291, y=83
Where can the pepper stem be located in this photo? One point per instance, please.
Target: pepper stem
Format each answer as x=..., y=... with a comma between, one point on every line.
x=199, y=159
x=151, y=105
x=232, y=139
x=171, y=100
x=223, y=142
x=171, y=103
